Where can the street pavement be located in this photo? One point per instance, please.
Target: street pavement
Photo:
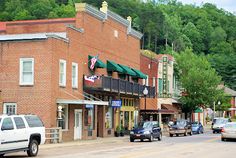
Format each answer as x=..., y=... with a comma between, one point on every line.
x=205, y=145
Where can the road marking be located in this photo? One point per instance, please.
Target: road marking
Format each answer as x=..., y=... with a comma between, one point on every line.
x=212, y=140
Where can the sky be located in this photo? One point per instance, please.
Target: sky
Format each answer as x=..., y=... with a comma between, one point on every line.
x=228, y=5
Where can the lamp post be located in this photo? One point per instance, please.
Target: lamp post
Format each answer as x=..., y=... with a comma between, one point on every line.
x=215, y=108
x=145, y=93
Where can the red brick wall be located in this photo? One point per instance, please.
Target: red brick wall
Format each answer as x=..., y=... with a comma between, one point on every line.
x=232, y=102
x=36, y=26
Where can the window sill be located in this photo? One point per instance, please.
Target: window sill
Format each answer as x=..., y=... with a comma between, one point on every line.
x=26, y=85
x=62, y=86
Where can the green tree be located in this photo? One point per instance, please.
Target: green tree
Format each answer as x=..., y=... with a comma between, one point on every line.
x=198, y=79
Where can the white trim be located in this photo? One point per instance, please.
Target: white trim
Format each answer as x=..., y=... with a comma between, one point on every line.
x=83, y=102
x=7, y=104
x=76, y=75
x=22, y=60
x=63, y=82
x=153, y=81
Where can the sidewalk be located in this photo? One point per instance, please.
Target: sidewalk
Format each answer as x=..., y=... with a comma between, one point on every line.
x=86, y=142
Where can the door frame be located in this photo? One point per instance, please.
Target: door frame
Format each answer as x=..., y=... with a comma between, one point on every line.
x=76, y=136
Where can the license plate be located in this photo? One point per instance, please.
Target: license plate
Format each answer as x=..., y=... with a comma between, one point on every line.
x=138, y=135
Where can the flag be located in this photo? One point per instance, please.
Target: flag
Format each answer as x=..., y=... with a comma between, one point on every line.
x=93, y=61
x=91, y=78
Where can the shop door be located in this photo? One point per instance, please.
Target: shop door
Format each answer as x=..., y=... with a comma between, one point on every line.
x=78, y=124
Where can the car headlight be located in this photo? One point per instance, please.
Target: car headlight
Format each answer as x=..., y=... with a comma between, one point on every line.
x=131, y=132
x=146, y=132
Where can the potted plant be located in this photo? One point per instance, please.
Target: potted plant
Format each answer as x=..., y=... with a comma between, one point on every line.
x=122, y=131
x=117, y=132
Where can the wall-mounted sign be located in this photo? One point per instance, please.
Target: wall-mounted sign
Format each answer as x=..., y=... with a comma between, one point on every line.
x=89, y=106
x=116, y=103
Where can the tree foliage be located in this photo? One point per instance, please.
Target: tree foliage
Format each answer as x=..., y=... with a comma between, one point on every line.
x=198, y=79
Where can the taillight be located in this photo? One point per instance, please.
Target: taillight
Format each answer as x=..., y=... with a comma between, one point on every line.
x=222, y=130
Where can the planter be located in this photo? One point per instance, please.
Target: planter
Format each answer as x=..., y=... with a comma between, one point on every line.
x=122, y=134
x=117, y=134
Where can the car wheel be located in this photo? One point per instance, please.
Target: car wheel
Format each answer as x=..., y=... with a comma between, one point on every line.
x=160, y=137
x=2, y=155
x=214, y=132
x=198, y=132
x=190, y=133
x=151, y=138
x=223, y=139
x=171, y=135
x=185, y=133
x=131, y=140
x=33, y=148
x=141, y=140
x=177, y=135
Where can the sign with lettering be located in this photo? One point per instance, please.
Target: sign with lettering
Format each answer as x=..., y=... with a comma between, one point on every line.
x=89, y=106
x=116, y=103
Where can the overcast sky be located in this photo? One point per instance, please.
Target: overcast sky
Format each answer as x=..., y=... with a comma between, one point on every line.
x=228, y=5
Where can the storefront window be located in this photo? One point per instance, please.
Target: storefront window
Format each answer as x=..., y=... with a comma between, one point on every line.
x=89, y=117
x=109, y=117
x=126, y=120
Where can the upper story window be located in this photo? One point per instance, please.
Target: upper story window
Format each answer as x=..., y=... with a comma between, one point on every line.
x=62, y=72
x=26, y=71
x=74, y=75
x=9, y=108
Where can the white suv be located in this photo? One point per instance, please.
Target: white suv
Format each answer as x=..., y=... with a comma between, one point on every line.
x=21, y=133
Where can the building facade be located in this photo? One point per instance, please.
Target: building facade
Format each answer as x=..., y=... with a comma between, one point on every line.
x=81, y=74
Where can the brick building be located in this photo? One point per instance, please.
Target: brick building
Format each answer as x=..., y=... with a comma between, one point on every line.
x=45, y=70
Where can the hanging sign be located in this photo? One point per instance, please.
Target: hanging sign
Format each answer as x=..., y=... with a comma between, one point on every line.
x=116, y=103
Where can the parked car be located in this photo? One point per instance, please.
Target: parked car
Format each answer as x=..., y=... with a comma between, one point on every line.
x=228, y=131
x=21, y=133
x=214, y=121
x=197, y=127
x=219, y=124
x=180, y=127
x=147, y=130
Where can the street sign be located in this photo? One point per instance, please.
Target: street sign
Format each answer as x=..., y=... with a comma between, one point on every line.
x=89, y=106
x=116, y=103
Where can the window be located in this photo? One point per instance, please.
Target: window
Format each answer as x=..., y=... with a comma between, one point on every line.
x=9, y=108
x=33, y=121
x=63, y=123
x=109, y=117
x=7, y=124
x=153, y=81
x=19, y=122
x=62, y=73
x=26, y=71
x=160, y=85
x=144, y=81
x=89, y=117
x=74, y=75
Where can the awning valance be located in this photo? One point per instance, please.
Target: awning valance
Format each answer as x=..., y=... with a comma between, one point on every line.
x=139, y=74
x=84, y=102
x=98, y=64
x=112, y=66
x=127, y=70
x=170, y=108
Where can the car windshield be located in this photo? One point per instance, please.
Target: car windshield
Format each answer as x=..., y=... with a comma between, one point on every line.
x=195, y=124
x=230, y=126
x=145, y=125
x=180, y=123
x=221, y=121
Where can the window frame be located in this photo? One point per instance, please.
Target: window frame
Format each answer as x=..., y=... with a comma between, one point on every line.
x=9, y=104
x=76, y=75
x=21, y=82
x=63, y=82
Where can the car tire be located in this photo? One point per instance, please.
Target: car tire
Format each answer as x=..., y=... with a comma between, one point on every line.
x=171, y=135
x=160, y=137
x=214, y=132
x=141, y=140
x=33, y=148
x=131, y=140
x=223, y=139
x=151, y=138
x=198, y=132
x=185, y=133
x=177, y=135
x=190, y=133
x=2, y=155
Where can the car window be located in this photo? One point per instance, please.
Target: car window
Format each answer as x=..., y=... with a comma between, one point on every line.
x=7, y=124
x=147, y=124
x=19, y=122
x=221, y=121
x=180, y=123
x=230, y=126
x=33, y=121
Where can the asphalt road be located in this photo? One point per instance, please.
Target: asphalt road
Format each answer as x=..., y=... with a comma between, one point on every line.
x=205, y=145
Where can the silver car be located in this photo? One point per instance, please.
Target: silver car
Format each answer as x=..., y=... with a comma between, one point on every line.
x=228, y=131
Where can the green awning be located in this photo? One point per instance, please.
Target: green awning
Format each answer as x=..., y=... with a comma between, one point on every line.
x=127, y=70
x=98, y=64
x=112, y=66
x=198, y=110
x=139, y=74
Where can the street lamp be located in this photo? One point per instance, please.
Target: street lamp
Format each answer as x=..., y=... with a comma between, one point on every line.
x=145, y=93
x=215, y=108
